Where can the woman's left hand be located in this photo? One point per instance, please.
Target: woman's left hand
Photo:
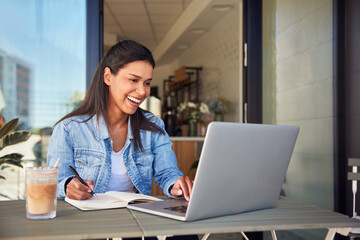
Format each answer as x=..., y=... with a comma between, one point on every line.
x=182, y=187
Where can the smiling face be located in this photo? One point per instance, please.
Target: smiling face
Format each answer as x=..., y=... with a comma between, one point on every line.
x=129, y=87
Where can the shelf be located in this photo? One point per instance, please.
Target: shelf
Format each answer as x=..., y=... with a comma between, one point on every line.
x=184, y=85
x=175, y=86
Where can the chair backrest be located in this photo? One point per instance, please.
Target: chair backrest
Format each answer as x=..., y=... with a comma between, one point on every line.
x=354, y=176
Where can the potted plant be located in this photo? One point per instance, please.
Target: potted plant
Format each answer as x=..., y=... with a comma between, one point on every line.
x=191, y=113
x=10, y=136
x=219, y=106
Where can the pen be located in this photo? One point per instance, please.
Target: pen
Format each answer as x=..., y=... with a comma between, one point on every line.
x=81, y=180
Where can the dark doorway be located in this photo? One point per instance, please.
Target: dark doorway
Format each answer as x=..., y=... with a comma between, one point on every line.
x=347, y=98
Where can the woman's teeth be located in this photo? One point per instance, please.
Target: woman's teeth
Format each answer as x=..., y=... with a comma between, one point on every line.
x=133, y=99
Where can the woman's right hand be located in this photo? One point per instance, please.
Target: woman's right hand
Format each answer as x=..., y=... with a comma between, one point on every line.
x=78, y=191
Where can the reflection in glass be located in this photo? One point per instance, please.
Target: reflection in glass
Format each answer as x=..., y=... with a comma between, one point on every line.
x=42, y=74
x=297, y=90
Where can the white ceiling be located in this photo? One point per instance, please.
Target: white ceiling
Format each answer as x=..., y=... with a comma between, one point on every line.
x=145, y=21
x=161, y=25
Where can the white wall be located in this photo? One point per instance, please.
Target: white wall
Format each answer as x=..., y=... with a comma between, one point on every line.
x=218, y=53
x=161, y=73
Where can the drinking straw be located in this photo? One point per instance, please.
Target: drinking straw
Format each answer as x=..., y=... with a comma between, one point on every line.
x=57, y=162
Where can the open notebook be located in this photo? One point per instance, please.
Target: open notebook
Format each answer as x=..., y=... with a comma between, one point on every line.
x=111, y=199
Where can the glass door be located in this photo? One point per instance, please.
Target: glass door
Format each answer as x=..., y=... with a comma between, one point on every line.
x=42, y=75
x=297, y=83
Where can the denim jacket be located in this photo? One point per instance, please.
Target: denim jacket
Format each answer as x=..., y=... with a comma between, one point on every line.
x=87, y=146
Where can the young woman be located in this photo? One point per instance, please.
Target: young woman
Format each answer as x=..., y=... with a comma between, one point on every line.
x=111, y=142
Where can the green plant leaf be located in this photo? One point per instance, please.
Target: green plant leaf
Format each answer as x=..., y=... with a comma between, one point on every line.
x=8, y=136
x=5, y=167
x=14, y=162
x=12, y=159
x=14, y=138
x=9, y=127
x=13, y=156
x=194, y=165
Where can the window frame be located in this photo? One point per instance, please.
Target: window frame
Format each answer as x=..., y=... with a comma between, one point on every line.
x=94, y=36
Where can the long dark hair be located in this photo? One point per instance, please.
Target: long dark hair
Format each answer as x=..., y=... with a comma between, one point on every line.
x=96, y=98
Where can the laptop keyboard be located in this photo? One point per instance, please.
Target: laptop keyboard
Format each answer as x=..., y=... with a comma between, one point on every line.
x=180, y=209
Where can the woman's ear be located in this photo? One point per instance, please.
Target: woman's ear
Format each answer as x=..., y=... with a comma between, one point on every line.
x=107, y=76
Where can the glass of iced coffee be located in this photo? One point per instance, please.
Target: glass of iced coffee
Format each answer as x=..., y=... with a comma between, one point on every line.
x=41, y=187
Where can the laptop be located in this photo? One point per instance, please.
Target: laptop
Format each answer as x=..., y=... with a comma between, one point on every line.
x=241, y=168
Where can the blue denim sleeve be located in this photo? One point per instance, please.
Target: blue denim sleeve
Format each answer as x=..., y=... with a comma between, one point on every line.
x=61, y=146
x=166, y=170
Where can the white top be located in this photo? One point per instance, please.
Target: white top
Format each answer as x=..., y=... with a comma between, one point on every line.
x=119, y=179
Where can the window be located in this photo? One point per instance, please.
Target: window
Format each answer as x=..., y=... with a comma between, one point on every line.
x=298, y=90
x=42, y=75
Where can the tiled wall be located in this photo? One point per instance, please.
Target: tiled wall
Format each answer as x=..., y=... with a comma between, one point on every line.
x=303, y=86
x=217, y=52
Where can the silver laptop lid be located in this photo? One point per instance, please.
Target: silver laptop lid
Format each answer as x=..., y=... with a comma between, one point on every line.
x=242, y=167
